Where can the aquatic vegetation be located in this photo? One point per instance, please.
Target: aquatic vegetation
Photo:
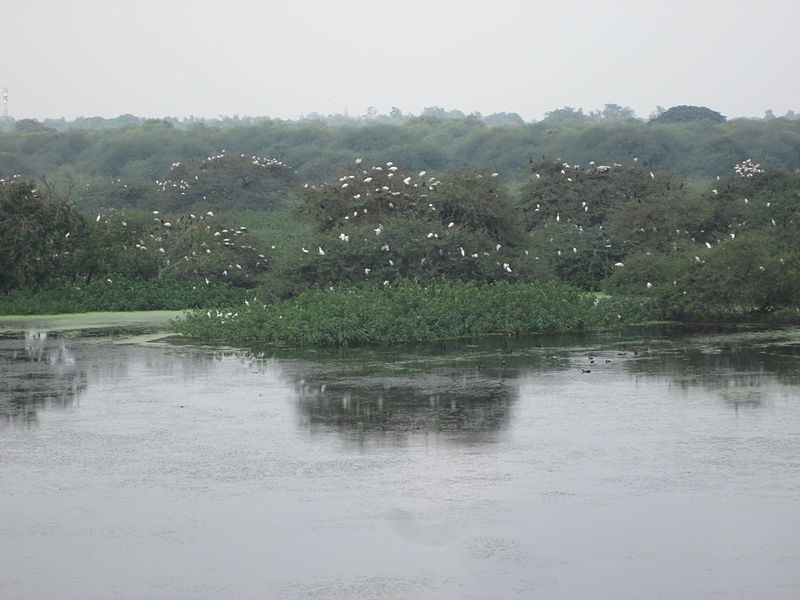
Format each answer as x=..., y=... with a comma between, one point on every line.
x=402, y=312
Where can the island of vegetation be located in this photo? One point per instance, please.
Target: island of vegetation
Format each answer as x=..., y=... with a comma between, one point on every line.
x=405, y=229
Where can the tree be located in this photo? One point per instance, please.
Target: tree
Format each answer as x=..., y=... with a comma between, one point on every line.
x=684, y=114
x=227, y=182
x=565, y=116
x=32, y=126
x=504, y=119
x=40, y=235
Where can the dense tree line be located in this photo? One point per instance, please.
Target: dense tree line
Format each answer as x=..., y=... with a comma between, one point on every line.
x=118, y=166
x=628, y=227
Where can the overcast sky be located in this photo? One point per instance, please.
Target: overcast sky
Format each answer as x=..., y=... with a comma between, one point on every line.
x=71, y=58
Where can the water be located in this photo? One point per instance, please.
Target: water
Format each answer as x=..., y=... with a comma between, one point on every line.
x=461, y=470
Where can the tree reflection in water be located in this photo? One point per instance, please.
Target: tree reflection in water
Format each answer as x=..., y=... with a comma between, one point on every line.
x=744, y=368
x=465, y=406
x=43, y=373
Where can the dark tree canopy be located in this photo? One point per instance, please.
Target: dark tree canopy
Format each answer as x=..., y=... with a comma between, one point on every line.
x=684, y=114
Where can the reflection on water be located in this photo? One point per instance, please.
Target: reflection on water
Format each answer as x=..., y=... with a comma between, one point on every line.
x=459, y=390
x=466, y=405
x=567, y=465
x=43, y=373
x=745, y=369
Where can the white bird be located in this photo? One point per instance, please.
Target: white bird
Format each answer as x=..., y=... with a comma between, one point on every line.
x=304, y=250
x=450, y=225
x=652, y=175
x=97, y=219
x=462, y=251
x=377, y=230
x=366, y=271
x=210, y=214
x=708, y=245
x=407, y=180
x=497, y=248
x=649, y=284
x=507, y=267
x=321, y=251
x=422, y=173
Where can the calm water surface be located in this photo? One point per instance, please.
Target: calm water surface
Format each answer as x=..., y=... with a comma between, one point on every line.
x=465, y=470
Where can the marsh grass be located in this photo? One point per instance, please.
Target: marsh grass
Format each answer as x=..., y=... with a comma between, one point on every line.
x=403, y=312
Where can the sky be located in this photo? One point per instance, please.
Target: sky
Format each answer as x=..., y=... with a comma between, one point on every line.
x=84, y=58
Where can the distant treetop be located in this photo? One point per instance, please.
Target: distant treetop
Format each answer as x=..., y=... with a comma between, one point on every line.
x=683, y=114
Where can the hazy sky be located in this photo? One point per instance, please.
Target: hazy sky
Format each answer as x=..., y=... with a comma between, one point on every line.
x=178, y=58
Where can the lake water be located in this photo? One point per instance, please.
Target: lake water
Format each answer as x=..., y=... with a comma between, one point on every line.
x=463, y=470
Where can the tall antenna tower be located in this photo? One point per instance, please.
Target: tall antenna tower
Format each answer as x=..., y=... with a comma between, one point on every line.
x=5, y=103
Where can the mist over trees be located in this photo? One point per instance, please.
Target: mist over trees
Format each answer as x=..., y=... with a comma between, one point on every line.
x=106, y=160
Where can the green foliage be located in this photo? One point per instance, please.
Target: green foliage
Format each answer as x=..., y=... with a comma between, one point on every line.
x=38, y=235
x=119, y=294
x=139, y=152
x=683, y=114
x=403, y=312
x=227, y=182
x=586, y=195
